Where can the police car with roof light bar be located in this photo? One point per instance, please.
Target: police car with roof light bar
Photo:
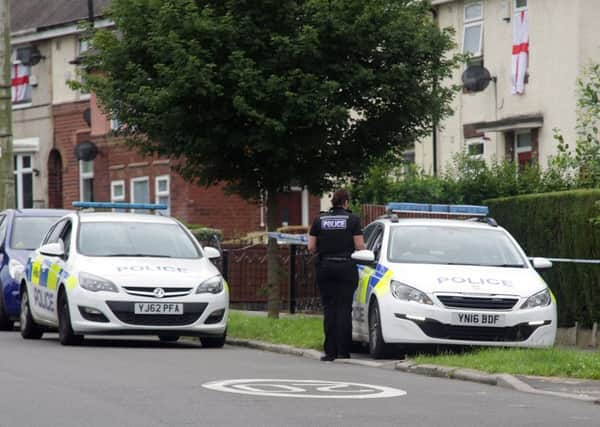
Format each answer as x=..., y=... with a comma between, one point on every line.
x=123, y=273
x=448, y=281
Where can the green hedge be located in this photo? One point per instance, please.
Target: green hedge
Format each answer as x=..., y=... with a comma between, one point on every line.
x=560, y=225
x=205, y=234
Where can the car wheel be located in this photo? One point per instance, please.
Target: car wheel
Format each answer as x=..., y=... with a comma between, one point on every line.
x=214, y=342
x=29, y=329
x=168, y=338
x=377, y=346
x=6, y=324
x=66, y=335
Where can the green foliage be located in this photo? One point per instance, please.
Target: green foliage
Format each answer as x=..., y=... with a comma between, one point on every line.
x=298, y=331
x=585, y=161
x=551, y=362
x=206, y=234
x=263, y=95
x=560, y=225
x=466, y=180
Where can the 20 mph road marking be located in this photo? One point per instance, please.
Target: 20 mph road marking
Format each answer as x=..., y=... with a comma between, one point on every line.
x=314, y=389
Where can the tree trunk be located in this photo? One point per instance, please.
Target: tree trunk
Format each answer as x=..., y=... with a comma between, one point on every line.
x=7, y=181
x=273, y=262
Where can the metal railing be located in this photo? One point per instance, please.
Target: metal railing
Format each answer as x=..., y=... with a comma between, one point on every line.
x=245, y=269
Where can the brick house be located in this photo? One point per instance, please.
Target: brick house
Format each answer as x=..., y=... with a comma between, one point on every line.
x=116, y=173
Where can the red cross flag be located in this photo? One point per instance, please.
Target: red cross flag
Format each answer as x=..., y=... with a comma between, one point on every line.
x=20, y=82
x=520, y=51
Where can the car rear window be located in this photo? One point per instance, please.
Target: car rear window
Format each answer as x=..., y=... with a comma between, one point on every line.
x=28, y=231
x=135, y=239
x=454, y=246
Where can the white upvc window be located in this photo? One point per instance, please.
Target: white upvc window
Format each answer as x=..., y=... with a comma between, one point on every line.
x=162, y=192
x=86, y=181
x=23, y=172
x=117, y=193
x=20, y=75
x=140, y=191
x=523, y=148
x=520, y=5
x=83, y=45
x=115, y=124
x=476, y=147
x=473, y=29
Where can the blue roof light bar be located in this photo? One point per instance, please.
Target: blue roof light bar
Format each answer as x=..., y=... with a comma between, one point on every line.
x=427, y=208
x=120, y=205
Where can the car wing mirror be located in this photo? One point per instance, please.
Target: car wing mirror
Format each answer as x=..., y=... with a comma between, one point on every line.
x=211, y=253
x=53, y=249
x=540, y=263
x=364, y=256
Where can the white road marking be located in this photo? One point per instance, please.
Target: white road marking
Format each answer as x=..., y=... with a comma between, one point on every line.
x=313, y=389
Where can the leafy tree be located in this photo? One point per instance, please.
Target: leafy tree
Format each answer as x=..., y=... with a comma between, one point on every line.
x=267, y=94
x=583, y=164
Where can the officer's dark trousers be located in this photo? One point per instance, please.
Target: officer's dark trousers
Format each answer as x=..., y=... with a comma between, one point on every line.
x=337, y=282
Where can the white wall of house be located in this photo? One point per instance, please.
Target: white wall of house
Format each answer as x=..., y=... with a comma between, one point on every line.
x=33, y=127
x=64, y=50
x=563, y=39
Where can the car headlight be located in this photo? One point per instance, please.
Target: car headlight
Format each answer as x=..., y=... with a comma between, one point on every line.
x=95, y=283
x=541, y=299
x=15, y=268
x=214, y=285
x=408, y=293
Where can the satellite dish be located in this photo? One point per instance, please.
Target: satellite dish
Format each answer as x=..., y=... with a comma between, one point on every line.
x=476, y=78
x=29, y=55
x=86, y=151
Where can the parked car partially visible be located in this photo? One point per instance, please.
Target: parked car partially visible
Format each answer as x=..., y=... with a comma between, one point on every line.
x=21, y=231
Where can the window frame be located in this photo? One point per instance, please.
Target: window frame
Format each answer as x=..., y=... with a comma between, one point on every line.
x=60, y=225
x=132, y=188
x=520, y=8
x=18, y=173
x=28, y=102
x=85, y=176
x=475, y=141
x=3, y=227
x=158, y=193
x=473, y=22
x=520, y=150
x=113, y=197
x=527, y=148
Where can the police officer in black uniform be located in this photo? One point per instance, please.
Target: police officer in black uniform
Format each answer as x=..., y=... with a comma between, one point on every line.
x=334, y=235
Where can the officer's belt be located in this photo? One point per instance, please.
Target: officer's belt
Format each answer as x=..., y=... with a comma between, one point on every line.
x=336, y=258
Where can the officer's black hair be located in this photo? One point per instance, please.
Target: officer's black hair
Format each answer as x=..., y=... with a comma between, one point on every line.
x=340, y=197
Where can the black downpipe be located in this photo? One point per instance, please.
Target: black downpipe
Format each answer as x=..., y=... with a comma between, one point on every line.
x=91, y=10
x=434, y=148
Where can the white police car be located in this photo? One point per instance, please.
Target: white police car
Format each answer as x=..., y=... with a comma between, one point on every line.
x=123, y=273
x=445, y=281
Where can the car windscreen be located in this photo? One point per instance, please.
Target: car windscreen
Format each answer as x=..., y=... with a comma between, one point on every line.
x=135, y=239
x=453, y=246
x=28, y=231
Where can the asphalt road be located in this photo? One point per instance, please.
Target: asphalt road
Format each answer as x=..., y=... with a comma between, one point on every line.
x=142, y=382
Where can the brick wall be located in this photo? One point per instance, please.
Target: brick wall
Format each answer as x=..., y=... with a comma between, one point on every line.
x=69, y=129
x=208, y=206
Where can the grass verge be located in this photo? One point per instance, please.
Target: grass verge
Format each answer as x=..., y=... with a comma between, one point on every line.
x=555, y=362
x=298, y=331
x=307, y=332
